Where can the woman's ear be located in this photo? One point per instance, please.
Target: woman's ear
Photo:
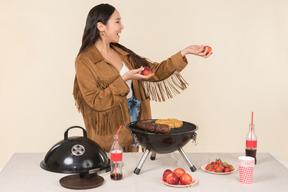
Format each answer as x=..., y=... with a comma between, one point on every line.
x=100, y=26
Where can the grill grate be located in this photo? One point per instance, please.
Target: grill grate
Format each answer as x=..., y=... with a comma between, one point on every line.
x=186, y=128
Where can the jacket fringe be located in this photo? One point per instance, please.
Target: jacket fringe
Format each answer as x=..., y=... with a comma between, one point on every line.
x=107, y=123
x=77, y=95
x=103, y=123
x=166, y=89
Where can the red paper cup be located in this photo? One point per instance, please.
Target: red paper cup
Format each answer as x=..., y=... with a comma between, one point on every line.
x=246, y=168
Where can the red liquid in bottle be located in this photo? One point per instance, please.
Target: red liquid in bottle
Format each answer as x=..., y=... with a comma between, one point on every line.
x=251, y=143
x=116, y=154
x=117, y=177
x=251, y=153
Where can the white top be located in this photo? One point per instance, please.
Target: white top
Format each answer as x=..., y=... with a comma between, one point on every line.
x=128, y=82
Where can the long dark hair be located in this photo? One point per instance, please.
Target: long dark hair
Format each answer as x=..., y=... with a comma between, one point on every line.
x=102, y=13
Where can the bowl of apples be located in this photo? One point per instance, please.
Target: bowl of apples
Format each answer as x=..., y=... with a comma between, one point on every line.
x=178, y=178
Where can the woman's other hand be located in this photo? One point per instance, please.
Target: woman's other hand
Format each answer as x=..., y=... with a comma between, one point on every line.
x=196, y=50
x=135, y=74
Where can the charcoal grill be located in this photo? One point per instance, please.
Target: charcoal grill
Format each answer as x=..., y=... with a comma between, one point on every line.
x=163, y=143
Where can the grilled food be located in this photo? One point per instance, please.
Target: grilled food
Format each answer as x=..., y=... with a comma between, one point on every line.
x=153, y=127
x=172, y=123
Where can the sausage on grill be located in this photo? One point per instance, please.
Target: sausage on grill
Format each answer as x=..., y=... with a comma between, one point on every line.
x=153, y=127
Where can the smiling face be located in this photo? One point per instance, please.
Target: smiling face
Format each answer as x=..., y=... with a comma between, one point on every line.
x=113, y=28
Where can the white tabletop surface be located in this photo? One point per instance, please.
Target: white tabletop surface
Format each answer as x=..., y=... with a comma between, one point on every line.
x=23, y=173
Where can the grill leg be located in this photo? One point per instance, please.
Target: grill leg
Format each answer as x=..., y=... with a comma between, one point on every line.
x=191, y=166
x=141, y=162
x=153, y=156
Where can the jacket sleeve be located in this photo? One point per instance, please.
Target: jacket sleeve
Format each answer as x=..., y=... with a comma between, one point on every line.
x=167, y=80
x=166, y=68
x=101, y=95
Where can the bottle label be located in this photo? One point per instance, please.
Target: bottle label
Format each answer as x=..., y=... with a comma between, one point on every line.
x=251, y=144
x=116, y=156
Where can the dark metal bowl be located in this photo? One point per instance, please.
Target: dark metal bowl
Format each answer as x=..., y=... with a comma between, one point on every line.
x=164, y=142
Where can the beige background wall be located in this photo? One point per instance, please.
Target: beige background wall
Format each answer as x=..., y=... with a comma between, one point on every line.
x=248, y=71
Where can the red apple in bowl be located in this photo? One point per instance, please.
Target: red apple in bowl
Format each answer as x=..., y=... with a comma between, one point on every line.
x=172, y=179
x=166, y=173
x=146, y=71
x=179, y=171
x=185, y=179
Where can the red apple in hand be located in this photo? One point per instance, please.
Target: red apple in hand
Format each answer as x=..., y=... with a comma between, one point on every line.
x=185, y=179
x=209, y=49
x=172, y=179
x=179, y=171
x=146, y=71
x=166, y=173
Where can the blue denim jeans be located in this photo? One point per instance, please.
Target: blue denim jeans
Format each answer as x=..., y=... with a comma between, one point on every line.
x=134, y=110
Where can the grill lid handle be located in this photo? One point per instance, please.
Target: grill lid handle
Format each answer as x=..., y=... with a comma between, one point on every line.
x=66, y=132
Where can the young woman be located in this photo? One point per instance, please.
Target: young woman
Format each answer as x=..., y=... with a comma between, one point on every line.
x=109, y=88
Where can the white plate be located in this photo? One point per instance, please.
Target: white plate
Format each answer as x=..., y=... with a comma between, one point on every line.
x=194, y=181
x=217, y=173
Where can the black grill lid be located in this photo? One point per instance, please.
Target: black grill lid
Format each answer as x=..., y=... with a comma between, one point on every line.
x=75, y=155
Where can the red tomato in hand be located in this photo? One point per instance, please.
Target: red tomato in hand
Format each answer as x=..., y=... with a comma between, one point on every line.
x=209, y=49
x=146, y=71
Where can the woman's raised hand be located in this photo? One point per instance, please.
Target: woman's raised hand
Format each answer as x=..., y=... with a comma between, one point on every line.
x=135, y=74
x=199, y=50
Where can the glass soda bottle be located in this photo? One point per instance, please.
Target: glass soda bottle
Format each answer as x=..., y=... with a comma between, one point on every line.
x=116, y=159
x=251, y=142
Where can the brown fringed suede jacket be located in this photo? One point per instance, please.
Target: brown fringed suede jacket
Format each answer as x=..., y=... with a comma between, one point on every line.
x=100, y=93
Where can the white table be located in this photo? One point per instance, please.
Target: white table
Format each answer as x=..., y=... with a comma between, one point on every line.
x=23, y=173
